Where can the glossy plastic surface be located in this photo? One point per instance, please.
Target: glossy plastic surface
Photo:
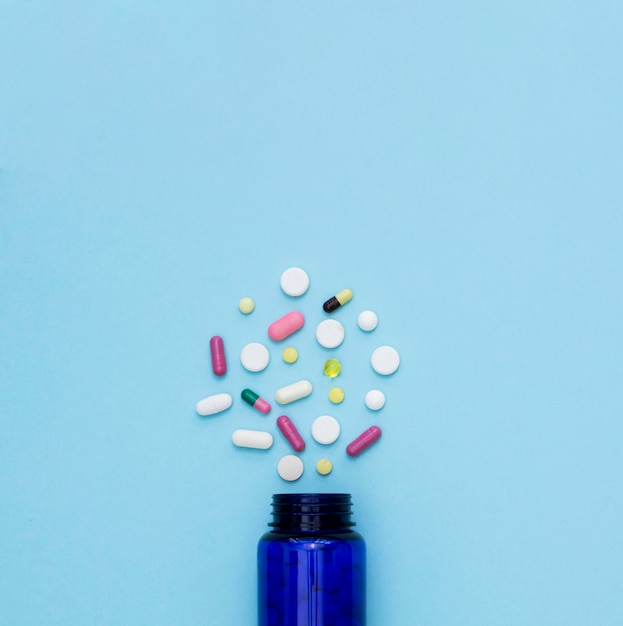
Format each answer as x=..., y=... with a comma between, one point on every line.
x=217, y=353
x=312, y=579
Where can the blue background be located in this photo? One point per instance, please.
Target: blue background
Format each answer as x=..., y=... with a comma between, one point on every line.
x=457, y=164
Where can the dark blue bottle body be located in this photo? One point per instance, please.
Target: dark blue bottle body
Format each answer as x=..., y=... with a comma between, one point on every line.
x=312, y=565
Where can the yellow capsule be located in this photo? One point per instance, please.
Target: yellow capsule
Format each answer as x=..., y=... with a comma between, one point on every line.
x=332, y=368
x=246, y=305
x=344, y=296
x=324, y=467
x=290, y=355
x=336, y=395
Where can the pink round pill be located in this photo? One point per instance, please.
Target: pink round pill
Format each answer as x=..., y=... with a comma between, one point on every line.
x=364, y=441
x=286, y=325
x=217, y=352
x=290, y=432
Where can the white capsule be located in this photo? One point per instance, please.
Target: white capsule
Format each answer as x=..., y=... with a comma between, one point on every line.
x=293, y=392
x=214, y=404
x=259, y=439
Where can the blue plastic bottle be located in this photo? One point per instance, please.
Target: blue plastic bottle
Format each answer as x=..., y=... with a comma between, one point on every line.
x=312, y=564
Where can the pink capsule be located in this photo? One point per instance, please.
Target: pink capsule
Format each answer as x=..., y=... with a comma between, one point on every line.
x=364, y=441
x=286, y=325
x=262, y=406
x=289, y=431
x=217, y=352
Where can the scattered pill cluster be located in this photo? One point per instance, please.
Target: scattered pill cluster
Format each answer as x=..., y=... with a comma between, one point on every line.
x=255, y=357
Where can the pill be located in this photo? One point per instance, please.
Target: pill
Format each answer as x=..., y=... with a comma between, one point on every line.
x=375, y=399
x=336, y=395
x=367, y=320
x=385, y=360
x=246, y=305
x=289, y=431
x=364, y=441
x=290, y=467
x=286, y=325
x=254, y=357
x=324, y=467
x=337, y=300
x=331, y=368
x=259, y=439
x=293, y=392
x=217, y=352
x=252, y=398
x=290, y=355
x=325, y=429
x=294, y=281
x=329, y=333
x=214, y=404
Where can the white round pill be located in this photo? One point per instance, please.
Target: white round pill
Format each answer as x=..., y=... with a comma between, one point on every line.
x=330, y=333
x=385, y=360
x=325, y=429
x=367, y=320
x=375, y=399
x=254, y=357
x=290, y=467
x=294, y=281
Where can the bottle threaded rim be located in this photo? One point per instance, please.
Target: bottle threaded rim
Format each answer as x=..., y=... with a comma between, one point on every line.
x=311, y=511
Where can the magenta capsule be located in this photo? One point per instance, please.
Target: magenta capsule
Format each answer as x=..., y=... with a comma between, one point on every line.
x=286, y=325
x=285, y=425
x=364, y=441
x=217, y=352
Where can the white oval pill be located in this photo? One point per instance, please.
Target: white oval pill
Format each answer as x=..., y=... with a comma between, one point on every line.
x=367, y=320
x=254, y=357
x=330, y=333
x=290, y=467
x=375, y=399
x=294, y=281
x=295, y=391
x=385, y=360
x=259, y=439
x=325, y=429
x=214, y=404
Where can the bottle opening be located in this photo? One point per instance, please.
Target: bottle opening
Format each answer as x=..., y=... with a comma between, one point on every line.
x=312, y=511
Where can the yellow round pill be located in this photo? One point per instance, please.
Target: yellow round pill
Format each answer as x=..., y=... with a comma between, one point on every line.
x=336, y=395
x=290, y=355
x=324, y=467
x=246, y=305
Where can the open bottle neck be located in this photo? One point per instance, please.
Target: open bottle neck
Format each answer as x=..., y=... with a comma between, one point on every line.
x=329, y=512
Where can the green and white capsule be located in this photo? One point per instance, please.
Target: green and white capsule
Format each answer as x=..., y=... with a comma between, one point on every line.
x=338, y=300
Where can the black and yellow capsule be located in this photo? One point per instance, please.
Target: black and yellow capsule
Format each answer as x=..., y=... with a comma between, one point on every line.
x=338, y=300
